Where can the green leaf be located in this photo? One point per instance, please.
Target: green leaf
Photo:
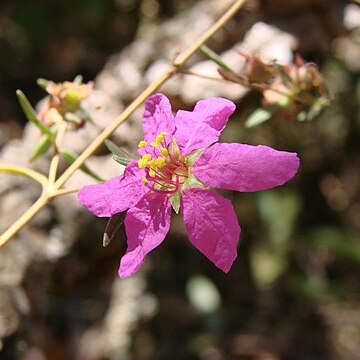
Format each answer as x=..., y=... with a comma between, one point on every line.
x=31, y=114
x=121, y=160
x=258, y=117
x=42, y=148
x=119, y=155
x=71, y=156
x=212, y=55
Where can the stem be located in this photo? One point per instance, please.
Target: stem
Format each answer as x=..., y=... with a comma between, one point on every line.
x=172, y=69
x=21, y=170
x=56, y=158
x=63, y=192
x=23, y=219
x=203, y=76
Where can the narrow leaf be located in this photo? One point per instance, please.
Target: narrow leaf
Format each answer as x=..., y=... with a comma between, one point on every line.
x=71, y=156
x=121, y=160
x=212, y=55
x=31, y=114
x=112, y=227
x=41, y=149
x=119, y=155
x=258, y=117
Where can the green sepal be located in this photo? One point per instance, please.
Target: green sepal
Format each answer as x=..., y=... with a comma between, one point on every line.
x=71, y=156
x=31, y=114
x=43, y=83
x=78, y=80
x=175, y=201
x=119, y=155
x=194, y=155
x=112, y=227
x=72, y=118
x=212, y=55
x=193, y=182
x=86, y=115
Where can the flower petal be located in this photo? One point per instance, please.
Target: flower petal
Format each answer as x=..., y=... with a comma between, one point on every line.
x=245, y=167
x=157, y=117
x=146, y=224
x=115, y=195
x=202, y=127
x=212, y=225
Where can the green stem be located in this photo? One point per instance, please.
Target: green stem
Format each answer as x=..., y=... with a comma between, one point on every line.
x=22, y=170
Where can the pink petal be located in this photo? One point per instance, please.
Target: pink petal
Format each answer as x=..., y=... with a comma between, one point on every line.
x=157, y=117
x=244, y=167
x=202, y=127
x=146, y=224
x=212, y=225
x=115, y=195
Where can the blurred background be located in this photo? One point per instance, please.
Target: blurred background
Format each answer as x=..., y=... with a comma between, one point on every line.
x=293, y=292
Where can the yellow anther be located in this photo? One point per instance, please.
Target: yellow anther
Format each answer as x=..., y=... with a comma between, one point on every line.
x=159, y=139
x=142, y=144
x=164, y=152
x=144, y=180
x=142, y=162
x=163, y=133
x=152, y=164
x=160, y=162
x=152, y=173
x=154, y=144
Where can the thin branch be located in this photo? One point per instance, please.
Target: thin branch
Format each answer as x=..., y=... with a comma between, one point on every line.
x=172, y=69
x=62, y=192
x=56, y=158
x=21, y=170
x=23, y=219
x=203, y=76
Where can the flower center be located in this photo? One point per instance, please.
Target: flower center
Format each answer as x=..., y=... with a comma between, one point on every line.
x=166, y=169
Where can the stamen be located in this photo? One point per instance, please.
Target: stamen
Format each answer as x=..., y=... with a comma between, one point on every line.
x=164, y=152
x=142, y=162
x=142, y=144
x=160, y=162
x=144, y=180
x=159, y=139
x=152, y=173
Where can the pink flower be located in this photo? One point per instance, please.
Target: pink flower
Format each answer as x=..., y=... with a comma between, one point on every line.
x=180, y=161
